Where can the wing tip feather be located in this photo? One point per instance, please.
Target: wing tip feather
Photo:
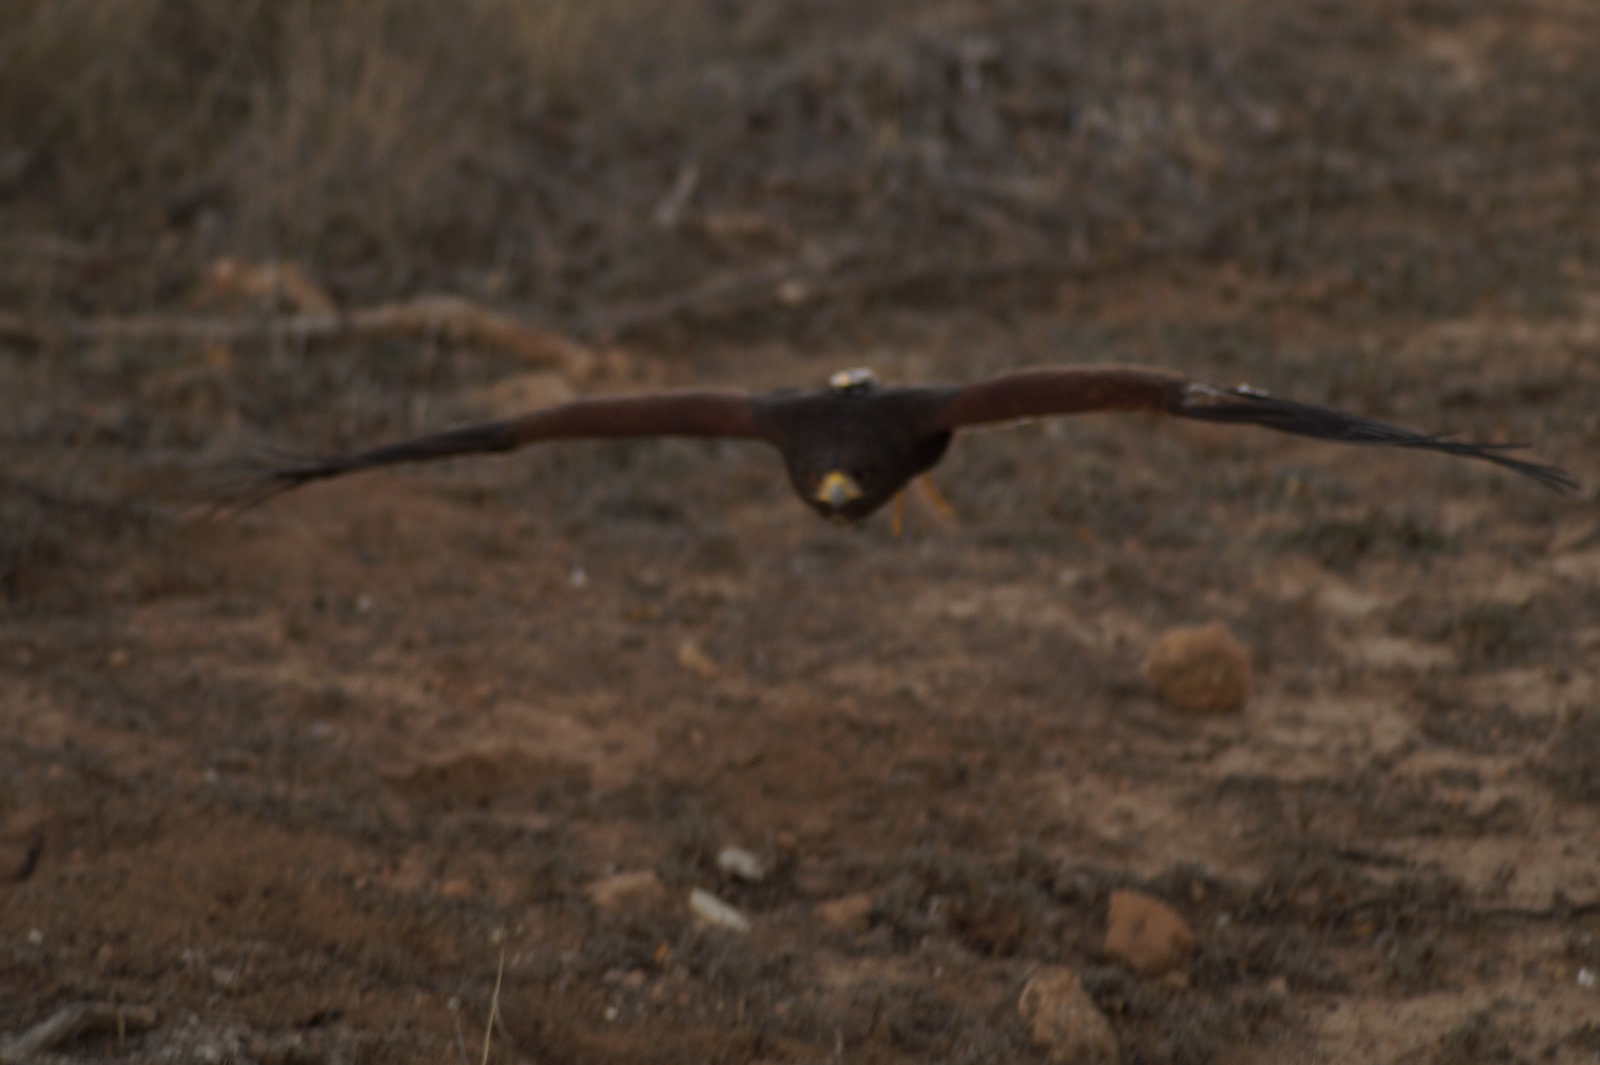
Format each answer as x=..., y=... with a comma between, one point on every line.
x=1247, y=405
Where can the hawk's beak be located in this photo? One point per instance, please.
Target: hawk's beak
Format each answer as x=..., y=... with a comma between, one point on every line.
x=836, y=489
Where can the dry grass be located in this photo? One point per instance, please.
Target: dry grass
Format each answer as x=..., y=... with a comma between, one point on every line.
x=342, y=131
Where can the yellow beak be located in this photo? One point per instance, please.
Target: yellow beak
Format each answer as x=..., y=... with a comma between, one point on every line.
x=836, y=489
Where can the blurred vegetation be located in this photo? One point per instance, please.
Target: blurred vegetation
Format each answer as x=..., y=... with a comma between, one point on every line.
x=334, y=131
x=584, y=158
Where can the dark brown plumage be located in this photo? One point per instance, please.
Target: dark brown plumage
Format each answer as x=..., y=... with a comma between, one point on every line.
x=852, y=446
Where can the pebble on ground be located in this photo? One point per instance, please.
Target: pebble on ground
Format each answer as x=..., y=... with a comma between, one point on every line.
x=1146, y=934
x=1202, y=669
x=1064, y=1022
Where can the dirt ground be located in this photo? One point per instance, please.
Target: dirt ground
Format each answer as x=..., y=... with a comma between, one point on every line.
x=325, y=779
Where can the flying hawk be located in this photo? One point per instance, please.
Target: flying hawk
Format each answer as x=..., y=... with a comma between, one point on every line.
x=851, y=446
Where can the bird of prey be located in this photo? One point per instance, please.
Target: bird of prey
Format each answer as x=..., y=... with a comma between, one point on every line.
x=853, y=445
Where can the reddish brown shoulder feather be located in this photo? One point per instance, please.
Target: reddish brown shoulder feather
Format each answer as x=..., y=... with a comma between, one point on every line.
x=1042, y=393
x=687, y=412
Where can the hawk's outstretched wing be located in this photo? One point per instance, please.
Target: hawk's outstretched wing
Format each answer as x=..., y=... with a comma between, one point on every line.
x=1084, y=389
x=673, y=413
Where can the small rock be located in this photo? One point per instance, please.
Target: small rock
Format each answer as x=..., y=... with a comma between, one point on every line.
x=1146, y=934
x=1202, y=669
x=696, y=661
x=742, y=864
x=849, y=913
x=636, y=889
x=713, y=911
x=1064, y=1021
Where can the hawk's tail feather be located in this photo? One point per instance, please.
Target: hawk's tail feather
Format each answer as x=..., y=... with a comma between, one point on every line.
x=1250, y=407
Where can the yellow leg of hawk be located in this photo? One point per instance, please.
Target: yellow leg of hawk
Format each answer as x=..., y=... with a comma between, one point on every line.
x=936, y=497
x=940, y=503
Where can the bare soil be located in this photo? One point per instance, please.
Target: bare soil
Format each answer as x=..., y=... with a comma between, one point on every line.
x=314, y=779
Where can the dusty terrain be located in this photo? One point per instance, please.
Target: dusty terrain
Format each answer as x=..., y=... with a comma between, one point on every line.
x=324, y=779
